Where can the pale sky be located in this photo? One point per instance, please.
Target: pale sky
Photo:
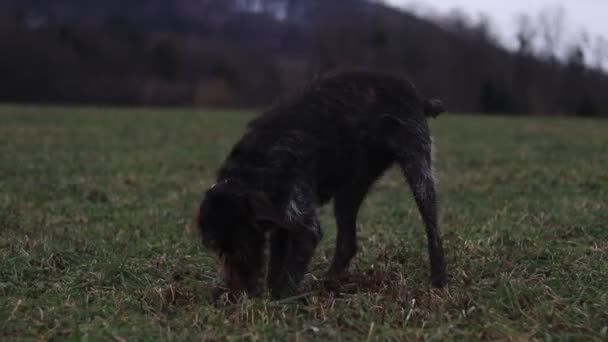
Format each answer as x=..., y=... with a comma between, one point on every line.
x=590, y=15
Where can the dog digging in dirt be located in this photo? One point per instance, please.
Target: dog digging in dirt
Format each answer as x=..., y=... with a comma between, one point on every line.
x=332, y=141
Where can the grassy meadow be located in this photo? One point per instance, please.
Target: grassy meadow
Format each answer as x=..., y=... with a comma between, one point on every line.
x=97, y=242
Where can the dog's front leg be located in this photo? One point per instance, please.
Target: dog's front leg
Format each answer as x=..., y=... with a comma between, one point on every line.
x=290, y=253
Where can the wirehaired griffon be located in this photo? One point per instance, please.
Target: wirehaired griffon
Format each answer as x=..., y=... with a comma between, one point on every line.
x=332, y=141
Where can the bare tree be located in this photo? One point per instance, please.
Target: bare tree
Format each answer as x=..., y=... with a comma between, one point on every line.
x=456, y=20
x=527, y=34
x=600, y=52
x=551, y=22
x=575, y=55
x=485, y=30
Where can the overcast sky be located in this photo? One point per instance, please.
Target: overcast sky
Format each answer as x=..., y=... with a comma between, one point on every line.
x=591, y=15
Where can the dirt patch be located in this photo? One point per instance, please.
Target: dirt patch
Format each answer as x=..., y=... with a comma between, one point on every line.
x=163, y=299
x=355, y=282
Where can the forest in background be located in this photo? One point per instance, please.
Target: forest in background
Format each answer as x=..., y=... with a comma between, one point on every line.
x=246, y=53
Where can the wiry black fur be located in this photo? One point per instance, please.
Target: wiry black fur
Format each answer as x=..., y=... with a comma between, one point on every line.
x=330, y=142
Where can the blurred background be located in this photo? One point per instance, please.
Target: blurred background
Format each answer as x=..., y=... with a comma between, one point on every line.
x=512, y=57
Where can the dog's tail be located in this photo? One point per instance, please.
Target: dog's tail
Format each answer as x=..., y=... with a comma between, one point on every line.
x=433, y=107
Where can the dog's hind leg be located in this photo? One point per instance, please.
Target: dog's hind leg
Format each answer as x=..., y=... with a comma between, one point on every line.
x=346, y=207
x=411, y=142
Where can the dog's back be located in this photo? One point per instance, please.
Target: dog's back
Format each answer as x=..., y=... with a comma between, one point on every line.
x=347, y=98
x=334, y=127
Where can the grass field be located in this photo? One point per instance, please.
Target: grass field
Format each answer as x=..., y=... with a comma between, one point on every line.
x=96, y=240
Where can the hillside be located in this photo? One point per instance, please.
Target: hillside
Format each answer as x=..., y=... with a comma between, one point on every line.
x=245, y=53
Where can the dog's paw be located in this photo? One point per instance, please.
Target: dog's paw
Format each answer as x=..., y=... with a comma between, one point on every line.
x=439, y=281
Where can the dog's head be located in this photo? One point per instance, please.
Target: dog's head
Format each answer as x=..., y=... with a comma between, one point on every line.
x=233, y=221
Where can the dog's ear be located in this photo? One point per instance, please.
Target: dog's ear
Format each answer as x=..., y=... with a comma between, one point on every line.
x=265, y=215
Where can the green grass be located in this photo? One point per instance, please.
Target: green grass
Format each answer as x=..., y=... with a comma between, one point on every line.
x=96, y=240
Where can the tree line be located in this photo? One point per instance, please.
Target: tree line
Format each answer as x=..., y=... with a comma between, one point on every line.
x=243, y=53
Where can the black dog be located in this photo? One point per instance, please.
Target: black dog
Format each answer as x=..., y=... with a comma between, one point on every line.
x=332, y=141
